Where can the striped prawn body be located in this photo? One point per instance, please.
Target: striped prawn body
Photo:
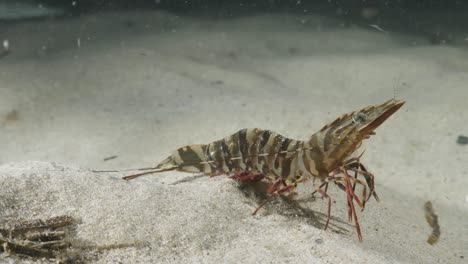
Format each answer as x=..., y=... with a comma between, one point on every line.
x=258, y=151
x=248, y=150
x=255, y=154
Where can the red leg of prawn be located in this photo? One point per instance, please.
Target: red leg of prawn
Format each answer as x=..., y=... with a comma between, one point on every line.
x=351, y=195
x=325, y=195
x=355, y=165
x=247, y=176
x=274, y=191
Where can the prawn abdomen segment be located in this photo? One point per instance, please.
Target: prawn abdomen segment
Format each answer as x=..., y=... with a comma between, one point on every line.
x=187, y=159
x=254, y=150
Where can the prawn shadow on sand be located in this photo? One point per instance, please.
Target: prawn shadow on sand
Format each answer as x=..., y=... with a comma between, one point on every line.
x=297, y=207
x=294, y=206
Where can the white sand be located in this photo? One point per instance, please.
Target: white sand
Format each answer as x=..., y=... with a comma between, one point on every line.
x=140, y=89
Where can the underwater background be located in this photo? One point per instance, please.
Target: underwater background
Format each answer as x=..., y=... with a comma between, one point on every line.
x=111, y=85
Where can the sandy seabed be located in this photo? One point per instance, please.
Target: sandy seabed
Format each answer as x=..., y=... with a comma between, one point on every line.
x=139, y=85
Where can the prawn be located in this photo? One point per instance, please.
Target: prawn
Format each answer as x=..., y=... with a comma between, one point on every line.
x=258, y=154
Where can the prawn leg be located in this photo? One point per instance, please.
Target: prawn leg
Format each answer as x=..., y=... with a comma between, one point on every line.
x=350, y=195
x=325, y=195
x=359, y=169
x=245, y=176
x=274, y=192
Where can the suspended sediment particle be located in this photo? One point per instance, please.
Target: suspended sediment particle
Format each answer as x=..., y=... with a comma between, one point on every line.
x=462, y=140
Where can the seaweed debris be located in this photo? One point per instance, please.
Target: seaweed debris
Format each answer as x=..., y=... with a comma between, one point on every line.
x=51, y=239
x=433, y=221
x=36, y=238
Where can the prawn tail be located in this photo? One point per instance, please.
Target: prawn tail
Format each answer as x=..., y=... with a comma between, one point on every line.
x=190, y=158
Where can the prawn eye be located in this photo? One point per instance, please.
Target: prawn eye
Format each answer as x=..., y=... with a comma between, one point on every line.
x=359, y=118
